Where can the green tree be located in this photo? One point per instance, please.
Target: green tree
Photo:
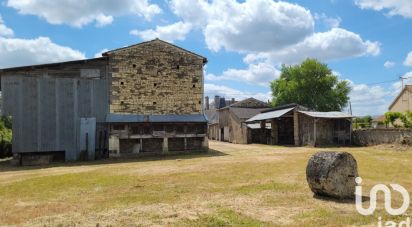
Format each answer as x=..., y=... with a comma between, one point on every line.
x=406, y=119
x=5, y=137
x=311, y=84
x=363, y=122
x=391, y=117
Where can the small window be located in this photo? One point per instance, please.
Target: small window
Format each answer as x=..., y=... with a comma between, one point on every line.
x=154, y=103
x=155, y=84
x=200, y=102
x=122, y=83
x=121, y=102
x=134, y=65
x=178, y=67
x=194, y=85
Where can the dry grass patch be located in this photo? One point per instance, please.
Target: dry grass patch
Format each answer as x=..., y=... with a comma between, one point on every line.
x=234, y=185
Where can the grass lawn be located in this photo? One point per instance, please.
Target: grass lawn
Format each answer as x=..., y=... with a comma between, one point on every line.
x=233, y=185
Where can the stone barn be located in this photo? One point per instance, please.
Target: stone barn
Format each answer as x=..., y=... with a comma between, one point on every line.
x=294, y=125
x=142, y=99
x=228, y=124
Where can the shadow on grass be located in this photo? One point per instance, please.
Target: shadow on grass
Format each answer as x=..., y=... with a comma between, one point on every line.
x=336, y=200
x=6, y=166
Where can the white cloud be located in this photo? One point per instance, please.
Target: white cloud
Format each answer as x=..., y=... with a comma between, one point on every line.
x=100, y=53
x=80, y=13
x=261, y=73
x=369, y=100
x=408, y=59
x=391, y=7
x=337, y=43
x=375, y=99
x=263, y=28
x=4, y=30
x=330, y=22
x=170, y=33
x=389, y=64
x=19, y=52
x=254, y=25
x=227, y=92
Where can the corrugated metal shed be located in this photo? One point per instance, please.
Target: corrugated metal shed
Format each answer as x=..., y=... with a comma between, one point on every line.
x=270, y=115
x=134, y=118
x=326, y=114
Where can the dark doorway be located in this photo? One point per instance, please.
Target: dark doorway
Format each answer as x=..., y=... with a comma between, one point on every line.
x=285, y=131
x=222, y=134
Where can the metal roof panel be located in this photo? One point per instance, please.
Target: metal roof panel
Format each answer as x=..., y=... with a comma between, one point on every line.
x=270, y=115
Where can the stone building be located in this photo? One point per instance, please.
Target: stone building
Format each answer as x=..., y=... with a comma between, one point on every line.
x=295, y=125
x=228, y=123
x=402, y=102
x=145, y=98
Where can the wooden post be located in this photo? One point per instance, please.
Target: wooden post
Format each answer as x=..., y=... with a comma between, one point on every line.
x=296, y=128
x=314, y=132
x=274, y=130
x=350, y=132
x=165, y=145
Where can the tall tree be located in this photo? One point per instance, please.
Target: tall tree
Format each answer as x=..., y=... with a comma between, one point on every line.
x=311, y=84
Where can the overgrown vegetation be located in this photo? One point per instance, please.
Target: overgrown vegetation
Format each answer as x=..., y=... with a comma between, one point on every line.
x=5, y=137
x=363, y=122
x=311, y=84
x=398, y=120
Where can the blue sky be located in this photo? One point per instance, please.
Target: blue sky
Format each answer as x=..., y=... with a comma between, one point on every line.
x=364, y=41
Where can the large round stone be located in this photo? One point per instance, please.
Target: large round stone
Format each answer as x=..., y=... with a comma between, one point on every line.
x=332, y=174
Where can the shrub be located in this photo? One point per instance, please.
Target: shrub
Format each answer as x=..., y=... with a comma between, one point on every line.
x=5, y=137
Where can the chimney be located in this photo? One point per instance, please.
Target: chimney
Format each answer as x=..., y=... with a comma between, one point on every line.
x=217, y=101
x=222, y=102
x=207, y=103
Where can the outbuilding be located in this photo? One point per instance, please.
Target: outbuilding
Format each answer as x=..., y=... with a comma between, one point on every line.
x=296, y=125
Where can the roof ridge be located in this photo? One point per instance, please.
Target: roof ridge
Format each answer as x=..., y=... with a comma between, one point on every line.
x=159, y=40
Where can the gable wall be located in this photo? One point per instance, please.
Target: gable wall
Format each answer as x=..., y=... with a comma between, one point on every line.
x=404, y=102
x=155, y=78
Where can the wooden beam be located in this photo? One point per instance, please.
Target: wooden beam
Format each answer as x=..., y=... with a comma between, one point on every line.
x=314, y=131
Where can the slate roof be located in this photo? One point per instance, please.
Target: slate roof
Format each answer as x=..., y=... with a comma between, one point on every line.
x=212, y=116
x=250, y=103
x=246, y=113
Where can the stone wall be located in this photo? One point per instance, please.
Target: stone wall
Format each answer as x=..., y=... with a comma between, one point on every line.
x=366, y=137
x=156, y=78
